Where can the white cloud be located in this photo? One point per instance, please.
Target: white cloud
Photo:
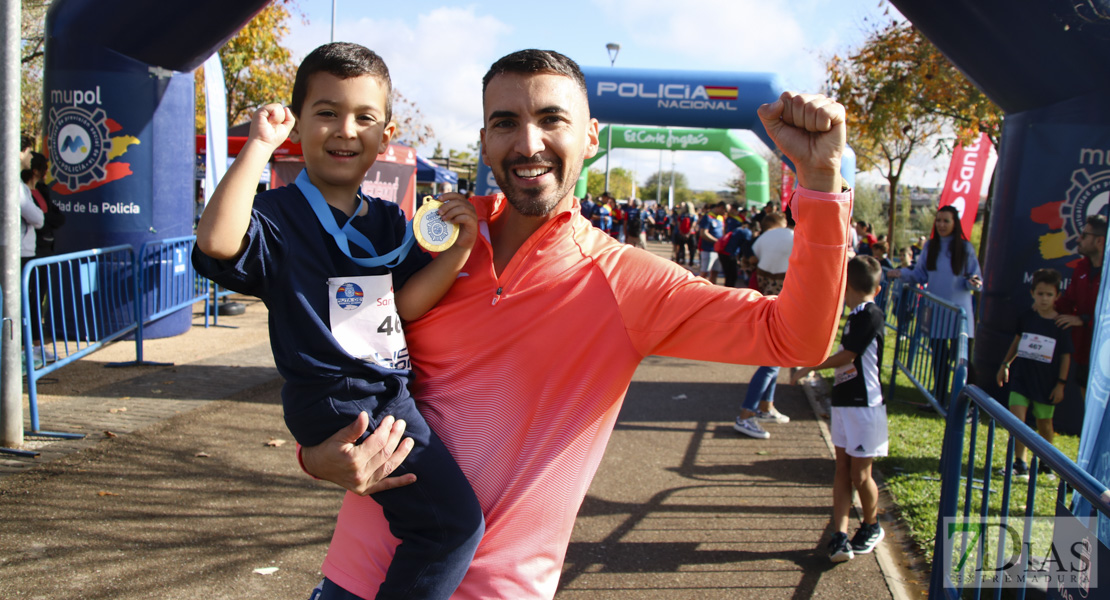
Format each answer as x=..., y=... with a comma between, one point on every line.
x=436, y=62
x=735, y=35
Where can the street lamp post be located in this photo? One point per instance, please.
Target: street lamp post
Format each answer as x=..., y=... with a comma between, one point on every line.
x=613, y=49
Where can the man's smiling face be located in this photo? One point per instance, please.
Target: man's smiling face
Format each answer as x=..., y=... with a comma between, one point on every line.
x=537, y=132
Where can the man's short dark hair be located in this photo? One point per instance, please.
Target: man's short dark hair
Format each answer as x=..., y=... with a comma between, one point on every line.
x=864, y=274
x=1097, y=223
x=528, y=62
x=25, y=142
x=1050, y=276
x=343, y=60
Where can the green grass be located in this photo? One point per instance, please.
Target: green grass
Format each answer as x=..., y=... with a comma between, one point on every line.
x=912, y=470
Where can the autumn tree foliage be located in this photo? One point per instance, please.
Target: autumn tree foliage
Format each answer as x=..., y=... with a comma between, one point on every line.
x=32, y=50
x=258, y=69
x=902, y=95
x=412, y=129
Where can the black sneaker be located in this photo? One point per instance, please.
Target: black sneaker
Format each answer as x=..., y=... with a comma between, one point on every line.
x=1021, y=470
x=1044, y=471
x=840, y=550
x=867, y=537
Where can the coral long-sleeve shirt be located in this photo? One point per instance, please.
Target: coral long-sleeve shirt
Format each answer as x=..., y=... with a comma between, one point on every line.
x=522, y=375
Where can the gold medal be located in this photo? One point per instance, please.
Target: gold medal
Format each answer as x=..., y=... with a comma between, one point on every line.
x=433, y=233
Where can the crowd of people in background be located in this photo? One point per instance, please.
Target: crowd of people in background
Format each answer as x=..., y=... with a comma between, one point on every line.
x=40, y=219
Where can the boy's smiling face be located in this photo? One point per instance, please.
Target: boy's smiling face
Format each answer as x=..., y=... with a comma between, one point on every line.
x=342, y=128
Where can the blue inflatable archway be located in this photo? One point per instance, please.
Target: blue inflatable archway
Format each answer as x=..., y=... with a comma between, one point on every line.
x=118, y=105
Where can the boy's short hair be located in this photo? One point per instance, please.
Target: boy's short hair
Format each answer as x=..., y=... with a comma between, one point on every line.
x=1050, y=276
x=527, y=62
x=879, y=247
x=864, y=273
x=343, y=60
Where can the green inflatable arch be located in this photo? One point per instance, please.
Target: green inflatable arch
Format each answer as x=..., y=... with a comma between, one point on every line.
x=725, y=141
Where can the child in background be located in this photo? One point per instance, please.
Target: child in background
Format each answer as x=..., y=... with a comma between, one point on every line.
x=859, y=429
x=337, y=276
x=1036, y=365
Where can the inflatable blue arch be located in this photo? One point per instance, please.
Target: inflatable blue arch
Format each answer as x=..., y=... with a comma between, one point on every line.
x=118, y=108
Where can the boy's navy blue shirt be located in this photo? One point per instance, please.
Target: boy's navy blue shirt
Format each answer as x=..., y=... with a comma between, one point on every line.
x=858, y=384
x=287, y=263
x=1032, y=377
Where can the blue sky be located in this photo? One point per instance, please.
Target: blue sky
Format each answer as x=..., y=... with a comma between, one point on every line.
x=438, y=51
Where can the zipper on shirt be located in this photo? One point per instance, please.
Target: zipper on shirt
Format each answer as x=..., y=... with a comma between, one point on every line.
x=510, y=276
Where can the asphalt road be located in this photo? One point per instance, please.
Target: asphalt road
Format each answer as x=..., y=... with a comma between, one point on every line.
x=192, y=488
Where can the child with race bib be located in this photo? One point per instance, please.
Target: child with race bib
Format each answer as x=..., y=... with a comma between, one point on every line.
x=859, y=427
x=339, y=275
x=1036, y=365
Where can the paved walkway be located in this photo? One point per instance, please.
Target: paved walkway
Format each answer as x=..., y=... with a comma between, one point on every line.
x=193, y=489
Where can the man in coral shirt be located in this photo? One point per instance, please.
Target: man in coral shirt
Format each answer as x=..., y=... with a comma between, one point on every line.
x=507, y=371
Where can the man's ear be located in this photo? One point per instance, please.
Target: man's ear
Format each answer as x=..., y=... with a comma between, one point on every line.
x=482, y=140
x=593, y=139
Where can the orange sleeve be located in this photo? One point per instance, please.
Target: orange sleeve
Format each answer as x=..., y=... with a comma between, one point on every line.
x=668, y=311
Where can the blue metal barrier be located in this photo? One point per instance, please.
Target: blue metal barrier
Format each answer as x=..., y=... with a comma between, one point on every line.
x=166, y=283
x=82, y=301
x=76, y=303
x=218, y=292
x=889, y=300
x=930, y=346
x=962, y=474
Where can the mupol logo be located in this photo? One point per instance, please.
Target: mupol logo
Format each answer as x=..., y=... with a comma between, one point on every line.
x=78, y=139
x=75, y=144
x=679, y=96
x=75, y=97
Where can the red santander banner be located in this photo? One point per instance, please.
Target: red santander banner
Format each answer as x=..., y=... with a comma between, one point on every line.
x=965, y=180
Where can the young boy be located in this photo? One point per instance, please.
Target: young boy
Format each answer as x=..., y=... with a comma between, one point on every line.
x=858, y=428
x=335, y=273
x=1036, y=365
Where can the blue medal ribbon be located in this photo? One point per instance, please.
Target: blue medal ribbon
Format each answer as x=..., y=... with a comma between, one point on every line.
x=347, y=233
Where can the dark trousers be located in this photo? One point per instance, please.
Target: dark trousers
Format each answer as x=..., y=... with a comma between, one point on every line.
x=729, y=266
x=437, y=518
x=680, y=243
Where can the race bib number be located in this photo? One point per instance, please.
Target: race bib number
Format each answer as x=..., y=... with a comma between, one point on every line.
x=844, y=373
x=364, y=320
x=1036, y=347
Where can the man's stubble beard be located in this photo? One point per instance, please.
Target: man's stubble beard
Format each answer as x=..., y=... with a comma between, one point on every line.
x=533, y=203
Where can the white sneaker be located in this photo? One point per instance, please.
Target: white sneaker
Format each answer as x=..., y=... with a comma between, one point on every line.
x=771, y=416
x=751, y=428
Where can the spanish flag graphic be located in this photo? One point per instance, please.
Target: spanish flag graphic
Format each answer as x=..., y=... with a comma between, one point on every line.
x=717, y=92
